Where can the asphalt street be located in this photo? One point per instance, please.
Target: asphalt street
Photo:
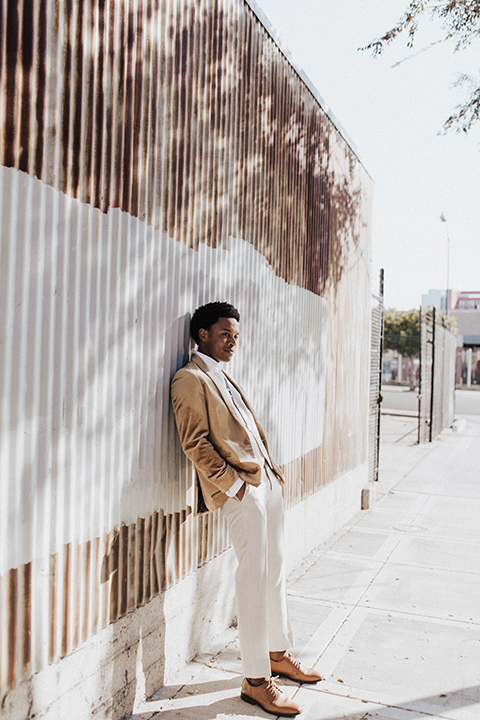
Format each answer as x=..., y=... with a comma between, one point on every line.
x=467, y=402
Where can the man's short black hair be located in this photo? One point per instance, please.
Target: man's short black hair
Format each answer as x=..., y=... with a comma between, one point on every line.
x=207, y=315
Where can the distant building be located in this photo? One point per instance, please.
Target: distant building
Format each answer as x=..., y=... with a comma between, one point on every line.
x=436, y=299
x=466, y=300
x=466, y=311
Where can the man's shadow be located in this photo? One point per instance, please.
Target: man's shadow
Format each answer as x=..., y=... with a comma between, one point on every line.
x=141, y=558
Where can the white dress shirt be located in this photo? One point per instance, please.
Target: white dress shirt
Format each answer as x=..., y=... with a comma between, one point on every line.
x=245, y=417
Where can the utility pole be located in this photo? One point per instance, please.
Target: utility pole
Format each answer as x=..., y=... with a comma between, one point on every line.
x=444, y=219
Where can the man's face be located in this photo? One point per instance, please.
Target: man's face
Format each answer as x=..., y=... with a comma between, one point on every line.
x=219, y=342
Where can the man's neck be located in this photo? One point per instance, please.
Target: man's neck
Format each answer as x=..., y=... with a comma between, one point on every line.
x=209, y=361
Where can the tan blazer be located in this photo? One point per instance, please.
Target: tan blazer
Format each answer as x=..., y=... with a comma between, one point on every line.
x=211, y=435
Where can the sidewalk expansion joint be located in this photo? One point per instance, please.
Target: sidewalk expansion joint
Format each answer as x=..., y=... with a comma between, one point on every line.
x=423, y=616
x=381, y=704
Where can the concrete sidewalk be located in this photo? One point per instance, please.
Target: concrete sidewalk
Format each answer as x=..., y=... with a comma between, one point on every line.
x=388, y=610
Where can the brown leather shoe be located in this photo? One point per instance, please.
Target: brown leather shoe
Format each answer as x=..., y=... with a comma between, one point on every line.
x=290, y=668
x=270, y=698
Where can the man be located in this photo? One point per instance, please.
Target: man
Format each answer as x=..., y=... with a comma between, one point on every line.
x=235, y=472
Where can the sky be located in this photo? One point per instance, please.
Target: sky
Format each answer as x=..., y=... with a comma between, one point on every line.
x=392, y=109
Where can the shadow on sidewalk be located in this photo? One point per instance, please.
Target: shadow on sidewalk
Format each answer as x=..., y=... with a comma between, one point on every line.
x=235, y=707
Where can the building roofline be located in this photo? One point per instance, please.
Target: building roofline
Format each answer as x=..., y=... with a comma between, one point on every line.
x=297, y=68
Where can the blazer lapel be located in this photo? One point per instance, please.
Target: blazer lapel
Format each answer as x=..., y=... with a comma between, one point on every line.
x=219, y=384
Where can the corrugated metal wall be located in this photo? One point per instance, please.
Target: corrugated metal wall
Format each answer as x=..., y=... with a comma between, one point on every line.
x=154, y=156
x=437, y=384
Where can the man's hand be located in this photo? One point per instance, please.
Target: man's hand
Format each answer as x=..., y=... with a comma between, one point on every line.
x=241, y=492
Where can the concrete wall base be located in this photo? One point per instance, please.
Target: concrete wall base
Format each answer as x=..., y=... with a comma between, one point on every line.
x=144, y=650
x=311, y=522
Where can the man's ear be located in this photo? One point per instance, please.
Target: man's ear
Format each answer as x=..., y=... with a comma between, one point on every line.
x=202, y=334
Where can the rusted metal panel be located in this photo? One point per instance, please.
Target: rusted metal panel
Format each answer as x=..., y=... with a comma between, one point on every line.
x=182, y=114
x=154, y=156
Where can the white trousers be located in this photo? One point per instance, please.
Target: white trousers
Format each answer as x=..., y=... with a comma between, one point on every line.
x=256, y=530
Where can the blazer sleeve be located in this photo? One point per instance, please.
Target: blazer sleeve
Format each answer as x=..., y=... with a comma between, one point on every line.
x=189, y=406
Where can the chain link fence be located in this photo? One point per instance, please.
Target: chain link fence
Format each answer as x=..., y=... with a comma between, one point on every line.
x=376, y=348
x=425, y=362
x=401, y=360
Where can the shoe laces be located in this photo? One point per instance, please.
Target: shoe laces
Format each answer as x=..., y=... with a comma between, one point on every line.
x=288, y=656
x=271, y=688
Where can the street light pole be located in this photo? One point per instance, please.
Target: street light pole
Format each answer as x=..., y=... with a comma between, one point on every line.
x=444, y=219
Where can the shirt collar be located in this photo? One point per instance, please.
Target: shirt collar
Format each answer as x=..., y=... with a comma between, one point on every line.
x=210, y=362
